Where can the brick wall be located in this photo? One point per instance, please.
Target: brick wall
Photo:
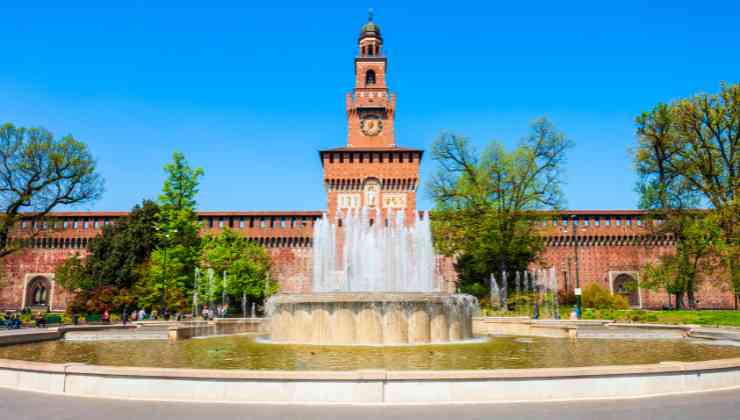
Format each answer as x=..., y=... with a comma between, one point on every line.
x=19, y=267
x=602, y=250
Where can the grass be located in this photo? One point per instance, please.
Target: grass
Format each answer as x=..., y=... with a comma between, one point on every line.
x=703, y=317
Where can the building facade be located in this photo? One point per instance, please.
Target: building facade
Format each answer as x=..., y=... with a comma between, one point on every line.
x=371, y=170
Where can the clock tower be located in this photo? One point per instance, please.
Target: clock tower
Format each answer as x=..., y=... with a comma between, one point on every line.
x=371, y=171
x=370, y=106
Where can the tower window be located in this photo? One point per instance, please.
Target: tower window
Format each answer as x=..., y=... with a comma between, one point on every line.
x=370, y=77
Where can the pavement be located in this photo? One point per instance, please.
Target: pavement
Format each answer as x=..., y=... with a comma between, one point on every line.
x=19, y=405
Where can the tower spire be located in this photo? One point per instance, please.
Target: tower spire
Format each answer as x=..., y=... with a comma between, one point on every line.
x=370, y=14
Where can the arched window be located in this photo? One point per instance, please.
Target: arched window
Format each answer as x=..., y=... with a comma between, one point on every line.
x=370, y=77
x=37, y=293
x=627, y=286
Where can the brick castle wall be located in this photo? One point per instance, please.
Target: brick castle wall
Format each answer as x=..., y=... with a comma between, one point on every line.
x=21, y=267
x=602, y=250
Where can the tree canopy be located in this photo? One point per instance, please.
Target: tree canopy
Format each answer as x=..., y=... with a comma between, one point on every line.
x=171, y=269
x=115, y=258
x=247, y=264
x=688, y=155
x=38, y=173
x=486, y=204
x=178, y=218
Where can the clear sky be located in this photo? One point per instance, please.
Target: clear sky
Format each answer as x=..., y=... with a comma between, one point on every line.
x=251, y=93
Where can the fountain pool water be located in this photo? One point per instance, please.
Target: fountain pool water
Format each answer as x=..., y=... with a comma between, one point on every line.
x=245, y=352
x=373, y=283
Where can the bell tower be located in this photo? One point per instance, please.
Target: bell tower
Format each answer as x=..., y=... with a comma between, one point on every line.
x=371, y=171
x=370, y=106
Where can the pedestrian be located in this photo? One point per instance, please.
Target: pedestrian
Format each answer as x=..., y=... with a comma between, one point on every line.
x=40, y=320
x=105, y=317
x=142, y=314
x=124, y=315
x=204, y=313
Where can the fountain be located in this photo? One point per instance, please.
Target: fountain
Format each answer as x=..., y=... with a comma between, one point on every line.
x=373, y=283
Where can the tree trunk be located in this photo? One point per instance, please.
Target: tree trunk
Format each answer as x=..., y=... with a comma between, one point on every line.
x=691, y=299
x=679, y=300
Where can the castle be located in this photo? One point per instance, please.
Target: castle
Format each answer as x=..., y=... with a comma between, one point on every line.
x=371, y=170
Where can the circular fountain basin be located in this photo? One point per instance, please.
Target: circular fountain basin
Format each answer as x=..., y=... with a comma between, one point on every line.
x=371, y=318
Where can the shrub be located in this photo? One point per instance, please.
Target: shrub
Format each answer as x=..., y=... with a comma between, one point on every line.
x=92, y=317
x=53, y=318
x=566, y=297
x=476, y=289
x=597, y=296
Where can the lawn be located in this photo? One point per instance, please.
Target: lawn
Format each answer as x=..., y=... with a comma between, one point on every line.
x=706, y=317
x=703, y=317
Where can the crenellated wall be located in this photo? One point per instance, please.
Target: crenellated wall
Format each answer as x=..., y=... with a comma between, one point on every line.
x=610, y=243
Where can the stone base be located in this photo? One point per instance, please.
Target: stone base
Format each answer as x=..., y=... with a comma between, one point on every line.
x=371, y=318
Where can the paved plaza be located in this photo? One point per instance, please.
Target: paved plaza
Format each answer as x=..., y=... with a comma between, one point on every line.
x=19, y=405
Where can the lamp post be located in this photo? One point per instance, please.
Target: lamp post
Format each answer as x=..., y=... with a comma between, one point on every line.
x=164, y=270
x=164, y=274
x=574, y=222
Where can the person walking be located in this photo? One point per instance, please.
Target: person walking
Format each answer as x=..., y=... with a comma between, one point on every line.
x=124, y=315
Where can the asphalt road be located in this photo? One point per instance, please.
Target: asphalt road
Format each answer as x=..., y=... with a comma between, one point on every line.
x=17, y=405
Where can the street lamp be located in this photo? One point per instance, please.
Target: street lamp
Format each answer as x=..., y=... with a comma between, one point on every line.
x=574, y=223
x=164, y=270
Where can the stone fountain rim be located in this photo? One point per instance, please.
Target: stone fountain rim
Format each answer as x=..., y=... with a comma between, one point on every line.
x=369, y=297
x=665, y=367
x=381, y=387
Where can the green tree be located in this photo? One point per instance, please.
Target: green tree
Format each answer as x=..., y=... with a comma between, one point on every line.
x=177, y=201
x=166, y=278
x=37, y=174
x=247, y=265
x=115, y=258
x=680, y=273
x=172, y=266
x=487, y=205
x=689, y=154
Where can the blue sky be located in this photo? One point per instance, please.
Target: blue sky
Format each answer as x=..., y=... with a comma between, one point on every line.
x=250, y=93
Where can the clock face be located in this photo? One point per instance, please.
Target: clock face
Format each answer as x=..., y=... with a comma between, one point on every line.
x=371, y=125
